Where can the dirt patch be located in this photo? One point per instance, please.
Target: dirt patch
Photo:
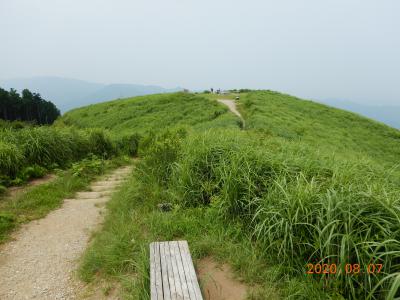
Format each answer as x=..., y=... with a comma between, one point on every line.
x=16, y=190
x=232, y=107
x=218, y=282
x=100, y=290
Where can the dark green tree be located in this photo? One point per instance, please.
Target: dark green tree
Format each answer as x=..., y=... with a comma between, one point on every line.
x=28, y=107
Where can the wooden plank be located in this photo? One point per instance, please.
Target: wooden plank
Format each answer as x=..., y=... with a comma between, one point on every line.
x=178, y=295
x=172, y=274
x=182, y=277
x=189, y=277
x=153, y=290
x=190, y=271
x=192, y=294
x=158, y=278
x=171, y=279
x=164, y=272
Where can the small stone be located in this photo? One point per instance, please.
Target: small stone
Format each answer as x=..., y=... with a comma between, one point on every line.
x=165, y=207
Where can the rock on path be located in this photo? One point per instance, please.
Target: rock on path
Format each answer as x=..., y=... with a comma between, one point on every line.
x=40, y=262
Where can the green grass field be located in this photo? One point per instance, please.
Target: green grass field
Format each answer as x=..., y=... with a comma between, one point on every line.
x=147, y=113
x=302, y=184
x=331, y=130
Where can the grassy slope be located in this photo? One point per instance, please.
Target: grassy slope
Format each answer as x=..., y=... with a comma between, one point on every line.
x=272, y=113
x=141, y=114
x=330, y=129
x=306, y=144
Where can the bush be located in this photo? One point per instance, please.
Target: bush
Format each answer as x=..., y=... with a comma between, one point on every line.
x=34, y=171
x=101, y=144
x=128, y=144
x=161, y=151
x=88, y=167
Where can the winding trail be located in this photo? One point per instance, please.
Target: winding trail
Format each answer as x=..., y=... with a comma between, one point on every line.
x=232, y=107
x=41, y=261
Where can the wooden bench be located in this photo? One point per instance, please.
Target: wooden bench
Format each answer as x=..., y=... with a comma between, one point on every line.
x=172, y=274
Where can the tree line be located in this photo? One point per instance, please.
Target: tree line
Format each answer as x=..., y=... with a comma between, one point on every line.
x=28, y=106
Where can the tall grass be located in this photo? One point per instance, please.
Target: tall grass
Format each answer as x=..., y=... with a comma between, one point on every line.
x=120, y=250
x=297, y=204
x=52, y=147
x=10, y=158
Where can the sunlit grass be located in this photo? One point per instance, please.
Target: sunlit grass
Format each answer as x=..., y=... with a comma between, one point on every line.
x=303, y=183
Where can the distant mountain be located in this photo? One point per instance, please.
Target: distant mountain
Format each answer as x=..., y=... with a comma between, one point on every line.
x=69, y=93
x=389, y=115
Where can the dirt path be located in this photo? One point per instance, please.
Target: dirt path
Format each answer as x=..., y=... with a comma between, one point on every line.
x=14, y=191
x=41, y=260
x=218, y=282
x=232, y=107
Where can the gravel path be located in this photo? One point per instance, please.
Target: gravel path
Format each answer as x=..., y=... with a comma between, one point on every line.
x=40, y=262
x=232, y=107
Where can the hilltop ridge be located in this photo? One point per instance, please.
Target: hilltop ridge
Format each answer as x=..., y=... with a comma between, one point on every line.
x=272, y=113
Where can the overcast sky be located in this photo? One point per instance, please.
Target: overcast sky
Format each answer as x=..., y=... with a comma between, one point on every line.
x=346, y=49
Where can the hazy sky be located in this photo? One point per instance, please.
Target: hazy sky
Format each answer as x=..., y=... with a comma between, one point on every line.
x=347, y=49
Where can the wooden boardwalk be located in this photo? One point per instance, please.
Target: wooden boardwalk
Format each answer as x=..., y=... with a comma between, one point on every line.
x=172, y=274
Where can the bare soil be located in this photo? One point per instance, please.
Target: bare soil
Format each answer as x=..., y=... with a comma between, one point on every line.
x=232, y=107
x=218, y=282
x=41, y=260
x=16, y=190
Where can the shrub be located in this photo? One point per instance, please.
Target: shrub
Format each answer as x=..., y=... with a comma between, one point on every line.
x=34, y=171
x=195, y=175
x=88, y=167
x=101, y=143
x=128, y=144
x=161, y=151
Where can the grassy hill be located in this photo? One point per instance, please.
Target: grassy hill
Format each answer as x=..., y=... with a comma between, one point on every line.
x=302, y=185
x=146, y=113
x=332, y=130
x=270, y=113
